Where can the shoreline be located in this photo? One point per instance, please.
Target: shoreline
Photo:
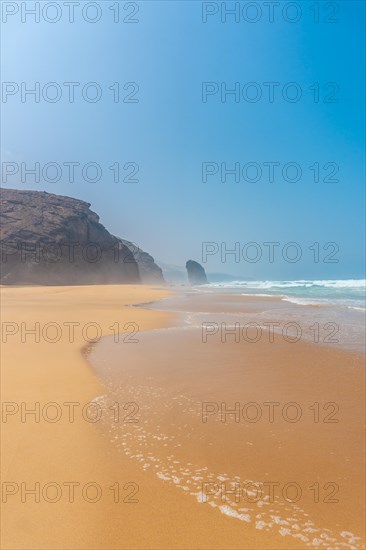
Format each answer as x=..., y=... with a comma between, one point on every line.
x=85, y=452
x=324, y=325
x=174, y=386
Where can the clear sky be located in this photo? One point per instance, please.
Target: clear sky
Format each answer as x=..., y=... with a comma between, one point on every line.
x=175, y=126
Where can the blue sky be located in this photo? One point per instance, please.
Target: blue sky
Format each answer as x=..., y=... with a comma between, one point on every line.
x=170, y=132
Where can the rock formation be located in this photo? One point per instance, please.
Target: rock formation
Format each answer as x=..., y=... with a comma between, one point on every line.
x=48, y=239
x=196, y=273
x=149, y=271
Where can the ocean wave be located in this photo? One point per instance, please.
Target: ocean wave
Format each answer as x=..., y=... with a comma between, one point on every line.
x=305, y=301
x=354, y=284
x=257, y=294
x=317, y=292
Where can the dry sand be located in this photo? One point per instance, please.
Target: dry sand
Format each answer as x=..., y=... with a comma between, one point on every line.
x=79, y=452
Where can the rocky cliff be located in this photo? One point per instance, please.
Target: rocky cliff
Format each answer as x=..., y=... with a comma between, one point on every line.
x=150, y=272
x=48, y=239
x=196, y=273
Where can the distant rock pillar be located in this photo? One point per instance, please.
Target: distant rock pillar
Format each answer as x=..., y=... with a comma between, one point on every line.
x=196, y=273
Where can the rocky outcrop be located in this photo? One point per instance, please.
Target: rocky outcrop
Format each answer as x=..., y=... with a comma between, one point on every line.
x=150, y=272
x=48, y=239
x=196, y=273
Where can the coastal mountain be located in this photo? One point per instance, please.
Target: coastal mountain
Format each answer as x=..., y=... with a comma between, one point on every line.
x=48, y=239
x=173, y=274
x=150, y=272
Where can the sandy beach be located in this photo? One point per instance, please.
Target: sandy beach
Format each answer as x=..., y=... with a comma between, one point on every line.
x=182, y=275
x=37, y=450
x=159, y=464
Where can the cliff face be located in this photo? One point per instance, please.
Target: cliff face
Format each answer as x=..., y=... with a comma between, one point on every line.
x=150, y=272
x=48, y=239
x=196, y=273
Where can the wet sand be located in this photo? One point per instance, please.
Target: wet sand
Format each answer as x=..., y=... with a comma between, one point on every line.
x=298, y=425
x=162, y=460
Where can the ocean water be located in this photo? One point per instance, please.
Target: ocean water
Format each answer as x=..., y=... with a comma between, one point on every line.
x=336, y=307
x=344, y=293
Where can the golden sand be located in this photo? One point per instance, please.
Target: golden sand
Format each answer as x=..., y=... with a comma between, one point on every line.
x=164, y=517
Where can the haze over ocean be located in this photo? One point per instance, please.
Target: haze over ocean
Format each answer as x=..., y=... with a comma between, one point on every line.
x=297, y=150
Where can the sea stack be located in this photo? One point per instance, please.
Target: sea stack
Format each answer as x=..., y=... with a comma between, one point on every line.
x=196, y=273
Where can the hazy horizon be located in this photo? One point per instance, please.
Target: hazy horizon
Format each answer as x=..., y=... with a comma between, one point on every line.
x=176, y=135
